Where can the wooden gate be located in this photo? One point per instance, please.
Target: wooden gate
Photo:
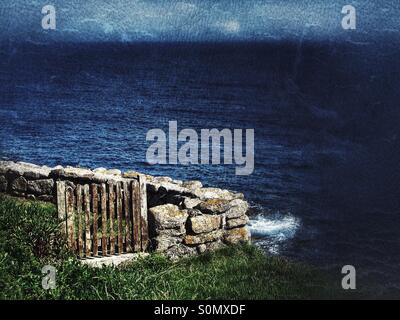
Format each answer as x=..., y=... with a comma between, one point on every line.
x=104, y=219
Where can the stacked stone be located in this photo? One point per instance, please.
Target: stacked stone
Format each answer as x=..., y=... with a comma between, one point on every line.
x=211, y=219
x=26, y=180
x=35, y=182
x=185, y=218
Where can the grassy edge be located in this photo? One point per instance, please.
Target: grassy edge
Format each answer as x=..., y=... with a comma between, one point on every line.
x=30, y=239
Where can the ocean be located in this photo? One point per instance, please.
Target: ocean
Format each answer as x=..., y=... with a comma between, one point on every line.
x=325, y=186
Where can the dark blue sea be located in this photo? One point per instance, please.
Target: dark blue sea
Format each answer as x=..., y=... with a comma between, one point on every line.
x=326, y=184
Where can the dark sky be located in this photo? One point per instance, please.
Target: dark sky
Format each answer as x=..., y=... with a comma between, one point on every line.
x=196, y=20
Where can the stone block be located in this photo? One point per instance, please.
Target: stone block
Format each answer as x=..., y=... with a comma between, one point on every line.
x=42, y=186
x=163, y=243
x=3, y=184
x=190, y=203
x=237, y=222
x=204, y=223
x=236, y=235
x=203, y=238
x=237, y=208
x=19, y=185
x=168, y=216
x=213, y=206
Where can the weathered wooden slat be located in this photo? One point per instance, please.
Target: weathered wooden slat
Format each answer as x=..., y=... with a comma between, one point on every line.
x=95, y=208
x=116, y=203
x=61, y=206
x=143, y=212
x=104, y=219
x=127, y=211
x=136, y=216
x=111, y=209
x=86, y=205
x=78, y=217
x=69, y=201
x=119, y=216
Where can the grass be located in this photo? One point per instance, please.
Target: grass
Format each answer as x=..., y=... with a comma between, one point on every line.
x=30, y=239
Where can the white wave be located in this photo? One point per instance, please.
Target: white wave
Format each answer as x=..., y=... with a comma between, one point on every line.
x=280, y=228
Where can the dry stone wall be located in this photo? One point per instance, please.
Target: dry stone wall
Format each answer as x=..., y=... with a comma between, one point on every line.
x=184, y=217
